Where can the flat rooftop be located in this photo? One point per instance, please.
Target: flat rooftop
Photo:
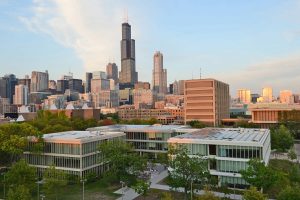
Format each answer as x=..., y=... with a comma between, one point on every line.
x=142, y=128
x=224, y=135
x=81, y=136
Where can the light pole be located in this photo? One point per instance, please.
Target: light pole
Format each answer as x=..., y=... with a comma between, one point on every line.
x=3, y=184
x=38, y=184
x=43, y=196
x=83, y=181
x=234, y=185
x=191, y=189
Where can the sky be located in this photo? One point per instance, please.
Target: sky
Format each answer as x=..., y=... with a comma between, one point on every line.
x=247, y=44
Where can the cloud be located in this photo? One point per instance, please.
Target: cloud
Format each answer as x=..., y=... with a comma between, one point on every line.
x=279, y=73
x=91, y=28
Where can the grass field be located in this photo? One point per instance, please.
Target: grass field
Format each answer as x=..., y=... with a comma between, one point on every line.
x=96, y=190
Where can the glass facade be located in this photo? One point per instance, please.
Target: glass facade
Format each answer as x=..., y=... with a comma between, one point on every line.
x=73, y=158
x=247, y=152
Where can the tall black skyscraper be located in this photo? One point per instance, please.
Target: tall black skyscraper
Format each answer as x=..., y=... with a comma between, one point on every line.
x=88, y=79
x=128, y=75
x=7, y=88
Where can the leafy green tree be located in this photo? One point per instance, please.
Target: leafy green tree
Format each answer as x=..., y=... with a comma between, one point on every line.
x=292, y=154
x=141, y=187
x=185, y=169
x=253, y=194
x=294, y=174
x=196, y=124
x=245, y=124
x=281, y=139
x=124, y=163
x=14, y=138
x=21, y=174
x=259, y=175
x=20, y=192
x=54, y=180
x=289, y=193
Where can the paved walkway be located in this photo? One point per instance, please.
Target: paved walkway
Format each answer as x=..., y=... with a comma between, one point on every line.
x=130, y=194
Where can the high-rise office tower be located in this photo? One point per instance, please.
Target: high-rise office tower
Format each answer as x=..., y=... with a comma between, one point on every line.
x=244, y=96
x=99, y=75
x=112, y=72
x=21, y=95
x=25, y=81
x=75, y=85
x=39, y=81
x=159, y=75
x=128, y=75
x=7, y=86
x=88, y=79
x=62, y=85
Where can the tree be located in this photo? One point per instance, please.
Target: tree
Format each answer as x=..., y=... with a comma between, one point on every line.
x=14, y=138
x=259, y=175
x=166, y=196
x=54, y=181
x=253, y=194
x=289, y=193
x=124, y=163
x=292, y=154
x=19, y=193
x=21, y=174
x=196, y=124
x=185, y=169
x=281, y=139
x=141, y=187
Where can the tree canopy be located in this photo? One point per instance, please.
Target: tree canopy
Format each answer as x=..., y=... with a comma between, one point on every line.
x=253, y=194
x=259, y=175
x=281, y=139
x=124, y=163
x=185, y=169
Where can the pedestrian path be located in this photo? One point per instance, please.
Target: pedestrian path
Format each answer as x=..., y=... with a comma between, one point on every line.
x=130, y=194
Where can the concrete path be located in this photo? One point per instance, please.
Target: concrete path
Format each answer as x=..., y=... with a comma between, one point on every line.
x=130, y=194
x=297, y=150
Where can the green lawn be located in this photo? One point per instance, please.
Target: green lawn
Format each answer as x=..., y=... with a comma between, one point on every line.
x=96, y=190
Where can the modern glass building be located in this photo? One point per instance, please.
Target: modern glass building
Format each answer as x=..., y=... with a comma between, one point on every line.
x=228, y=150
x=148, y=139
x=74, y=152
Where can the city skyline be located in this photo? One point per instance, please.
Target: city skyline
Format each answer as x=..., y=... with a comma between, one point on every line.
x=259, y=48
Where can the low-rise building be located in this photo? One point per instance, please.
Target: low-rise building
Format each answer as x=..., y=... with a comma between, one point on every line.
x=147, y=139
x=228, y=150
x=74, y=152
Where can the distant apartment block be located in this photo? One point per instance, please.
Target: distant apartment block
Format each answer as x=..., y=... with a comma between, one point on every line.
x=244, y=96
x=39, y=81
x=206, y=100
x=142, y=98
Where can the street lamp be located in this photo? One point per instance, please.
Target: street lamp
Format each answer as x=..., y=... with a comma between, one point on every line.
x=38, y=183
x=3, y=184
x=191, y=189
x=234, y=184
x=123, y=183
x=42, y=196
x=83, y=181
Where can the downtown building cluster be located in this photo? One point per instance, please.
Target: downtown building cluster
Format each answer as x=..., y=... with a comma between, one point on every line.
x=119, y=91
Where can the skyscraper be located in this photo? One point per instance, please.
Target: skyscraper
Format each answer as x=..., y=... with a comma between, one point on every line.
x=159, y=75
x=112, y=72
x=128, y=75
x=39, y=81
x=7, y=86
x=21, y=95
x=244, y=96
x=286, y=96
x=88, y=79
x=267, y=94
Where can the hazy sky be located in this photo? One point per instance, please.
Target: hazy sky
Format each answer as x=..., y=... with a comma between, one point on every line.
x=248, y=44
